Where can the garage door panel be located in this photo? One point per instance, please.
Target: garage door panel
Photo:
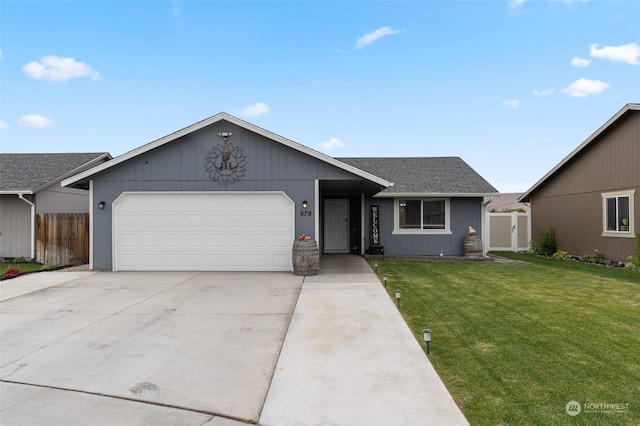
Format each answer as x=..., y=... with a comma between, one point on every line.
x=203, y=231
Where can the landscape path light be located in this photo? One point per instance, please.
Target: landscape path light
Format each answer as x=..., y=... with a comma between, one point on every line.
x=375, y=265
x=398, y=295
x=385, y=277
x=427, y=337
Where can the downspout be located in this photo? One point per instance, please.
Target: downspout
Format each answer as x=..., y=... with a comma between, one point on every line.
x=33, y=226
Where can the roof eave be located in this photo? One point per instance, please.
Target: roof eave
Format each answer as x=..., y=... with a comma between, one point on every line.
x=85, y=166
x=628, y=107
x=17, y=192
x=432, y=194
x=214, y=119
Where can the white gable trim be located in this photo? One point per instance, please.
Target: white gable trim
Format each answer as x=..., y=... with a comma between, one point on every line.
x=211, y=120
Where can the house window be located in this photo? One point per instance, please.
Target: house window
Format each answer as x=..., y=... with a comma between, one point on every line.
x=422, y=215
x=618, y=213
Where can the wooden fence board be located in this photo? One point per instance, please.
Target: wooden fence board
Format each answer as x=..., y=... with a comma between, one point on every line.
x=62, y=238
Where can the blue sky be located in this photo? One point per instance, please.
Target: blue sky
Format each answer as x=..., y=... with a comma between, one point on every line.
x=512, y=87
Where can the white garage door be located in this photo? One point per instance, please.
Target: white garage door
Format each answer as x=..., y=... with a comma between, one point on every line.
x=203, y=231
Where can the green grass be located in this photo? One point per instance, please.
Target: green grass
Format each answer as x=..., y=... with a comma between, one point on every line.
x=23, y=267
x=515, y=342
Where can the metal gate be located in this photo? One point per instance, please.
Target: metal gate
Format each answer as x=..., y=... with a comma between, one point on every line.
x=508, y=231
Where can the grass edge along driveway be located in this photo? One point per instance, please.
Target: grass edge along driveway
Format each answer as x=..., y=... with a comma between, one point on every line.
x=516, y=343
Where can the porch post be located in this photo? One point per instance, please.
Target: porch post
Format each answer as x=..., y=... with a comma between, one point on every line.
x=363, y=235
x=91, y=224
x=316, y=204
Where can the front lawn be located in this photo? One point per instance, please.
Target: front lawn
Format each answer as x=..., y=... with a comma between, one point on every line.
x=22, y=267
x=515, y=343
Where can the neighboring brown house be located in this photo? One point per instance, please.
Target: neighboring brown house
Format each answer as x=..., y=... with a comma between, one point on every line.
x=591, y=198
x=29, y=186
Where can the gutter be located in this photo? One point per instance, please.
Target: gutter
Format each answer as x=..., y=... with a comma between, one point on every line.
x=33, y=225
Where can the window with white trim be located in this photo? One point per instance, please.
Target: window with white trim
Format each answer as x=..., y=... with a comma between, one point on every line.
x=618, y=213
x=428, y=215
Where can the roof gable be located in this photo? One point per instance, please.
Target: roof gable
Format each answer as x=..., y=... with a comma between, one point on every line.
x=231, y=119
x=594, y=138
x=28, y=173
x=431, y=176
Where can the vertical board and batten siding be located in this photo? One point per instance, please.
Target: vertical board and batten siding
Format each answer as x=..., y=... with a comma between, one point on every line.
x=180, y=166
x=571, y=200
x=62, y=238
x=56, y=199
x=15, y=227
x=465, y=212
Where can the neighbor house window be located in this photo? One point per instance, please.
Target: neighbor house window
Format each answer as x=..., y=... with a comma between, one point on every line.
x=422, y=215
x=618, y=213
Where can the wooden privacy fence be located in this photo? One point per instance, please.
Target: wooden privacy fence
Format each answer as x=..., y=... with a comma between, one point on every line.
x=62, y=238
x=508, y=231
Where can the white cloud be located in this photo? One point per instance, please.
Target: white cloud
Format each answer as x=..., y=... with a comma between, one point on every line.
x=375, y=35
x=34, y=120
x=583, y=87
x=55, y=68
x=580, y=62
x=511, y=103
x=628, y=53
x=544, y=92
x=254, y=110
x=332, y=143
x=516, y=4
x=3, y=125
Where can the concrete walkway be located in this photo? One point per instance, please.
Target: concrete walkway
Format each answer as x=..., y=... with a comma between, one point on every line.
x=220, y=349
x=350, y=359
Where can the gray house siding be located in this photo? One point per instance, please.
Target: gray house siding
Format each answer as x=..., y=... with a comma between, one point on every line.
x=56, y=199
x=15, y=227
x=181, y=166
x=464, y=212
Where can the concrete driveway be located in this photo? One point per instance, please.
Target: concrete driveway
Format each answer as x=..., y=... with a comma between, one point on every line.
x=196, y=347
x=221, y=349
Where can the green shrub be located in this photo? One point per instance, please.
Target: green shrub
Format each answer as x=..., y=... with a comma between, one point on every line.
x=634, y=259
x=588, y=258
x=560, y=254
x=546, y=243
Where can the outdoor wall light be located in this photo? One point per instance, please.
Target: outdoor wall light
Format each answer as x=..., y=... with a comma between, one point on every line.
x=398, y=296
x=385, y=277
x=427, y=337
x=101, y=204
x=224, y=135
x=305, y=204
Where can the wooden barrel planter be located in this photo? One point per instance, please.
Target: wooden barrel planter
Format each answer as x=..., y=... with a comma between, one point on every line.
x=472, y=246
x=306, y=257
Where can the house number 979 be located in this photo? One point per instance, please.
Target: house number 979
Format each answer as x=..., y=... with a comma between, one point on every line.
x=305, y=213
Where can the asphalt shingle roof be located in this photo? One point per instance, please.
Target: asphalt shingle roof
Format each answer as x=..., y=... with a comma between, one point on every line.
x=29, y=172
x=424, y=175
